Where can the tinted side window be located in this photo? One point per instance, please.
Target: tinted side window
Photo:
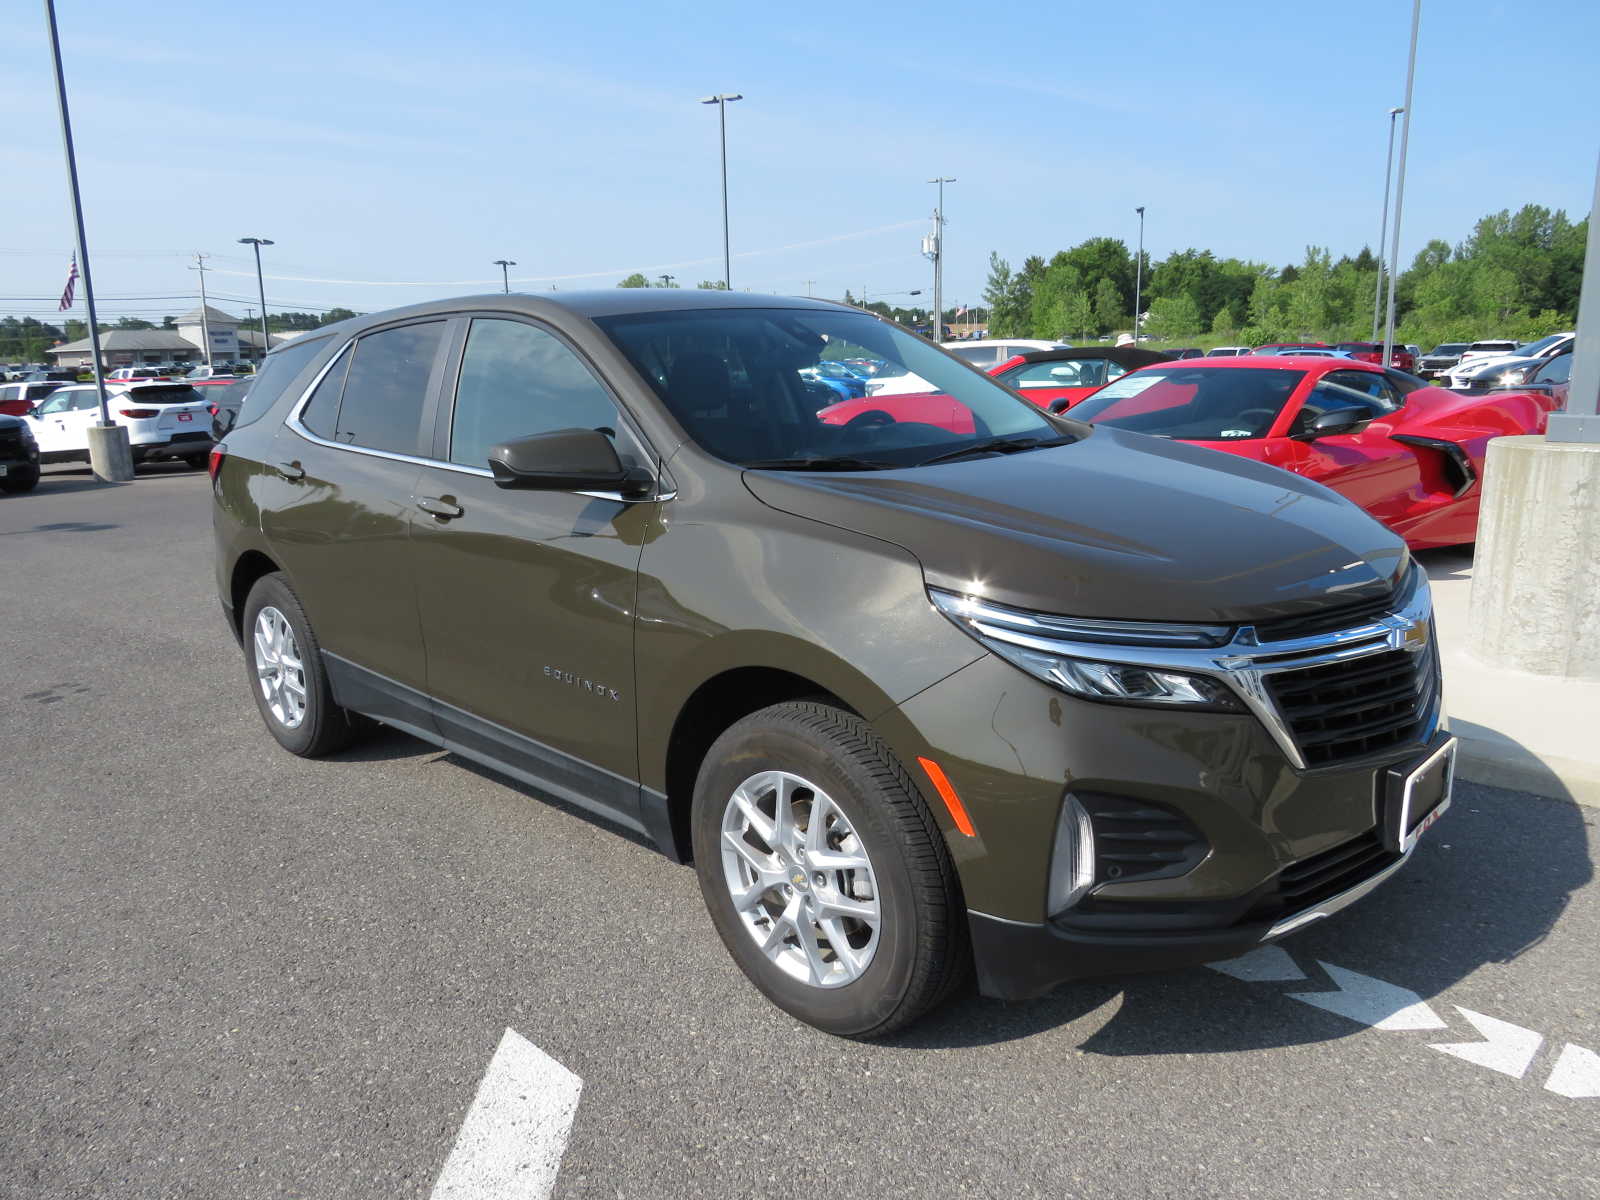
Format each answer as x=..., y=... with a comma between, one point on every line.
x=1403, y=383
x=276, y=374
x=385, y=388
x=516, y=381
x=322, y=410
x=1557, y=370
x=1358, y=386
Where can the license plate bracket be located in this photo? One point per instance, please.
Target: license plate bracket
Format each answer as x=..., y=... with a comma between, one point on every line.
x=1417, y=793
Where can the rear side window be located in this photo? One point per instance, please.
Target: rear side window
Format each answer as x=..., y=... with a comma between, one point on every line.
x=384, y=390
x=322, y=410
x=276, y=374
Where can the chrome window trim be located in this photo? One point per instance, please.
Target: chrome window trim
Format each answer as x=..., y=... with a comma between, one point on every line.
x=294, y=424
x=1245, y=663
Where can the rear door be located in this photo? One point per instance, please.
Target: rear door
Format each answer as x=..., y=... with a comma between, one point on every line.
x=336, y=507
x=61, y=422
x=527, y=597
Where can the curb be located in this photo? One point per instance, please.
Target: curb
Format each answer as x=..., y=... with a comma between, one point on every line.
x=1508, y=765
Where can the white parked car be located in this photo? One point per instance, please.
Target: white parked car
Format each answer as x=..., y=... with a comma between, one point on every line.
x=1490, y=370
x=1227, y=351
x=134, y=374
x=164, y=421
x=984, y=354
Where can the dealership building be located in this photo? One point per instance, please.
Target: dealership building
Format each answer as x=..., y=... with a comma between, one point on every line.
x=157, y=347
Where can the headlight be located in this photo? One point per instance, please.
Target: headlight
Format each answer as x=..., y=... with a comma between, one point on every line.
x=1060, y=651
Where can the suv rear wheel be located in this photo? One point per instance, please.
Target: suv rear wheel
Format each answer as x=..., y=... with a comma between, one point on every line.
x=824, y=872
x=287, y=679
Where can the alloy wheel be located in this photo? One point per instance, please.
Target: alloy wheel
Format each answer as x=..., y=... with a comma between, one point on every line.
x=279, y=668
x=800, y=879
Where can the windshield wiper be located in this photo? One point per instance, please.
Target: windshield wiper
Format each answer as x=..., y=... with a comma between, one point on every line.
x=819, y=463
x=998, y=446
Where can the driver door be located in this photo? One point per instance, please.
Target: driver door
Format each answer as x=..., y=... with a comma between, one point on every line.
x=1365, y=465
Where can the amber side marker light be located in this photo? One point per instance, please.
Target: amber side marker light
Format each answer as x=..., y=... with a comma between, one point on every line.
x=958, y=810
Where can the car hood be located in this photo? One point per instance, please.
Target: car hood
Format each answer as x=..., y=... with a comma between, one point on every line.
x=1115, y=525
x=1492, y=363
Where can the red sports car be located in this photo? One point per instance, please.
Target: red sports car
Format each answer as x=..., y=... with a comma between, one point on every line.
x=1053, y=379
x=1410, y=454
x=1049, y=376
x=1372, y=352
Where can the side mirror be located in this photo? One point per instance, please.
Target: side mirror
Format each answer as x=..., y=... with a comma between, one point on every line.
x=1335, y=421
x=567, y=460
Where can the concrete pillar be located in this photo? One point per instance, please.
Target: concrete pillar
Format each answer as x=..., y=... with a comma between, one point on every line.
x=1536, y=574
x=109, y=456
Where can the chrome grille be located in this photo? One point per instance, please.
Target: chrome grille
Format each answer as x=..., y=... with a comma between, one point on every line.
x=1360, y=706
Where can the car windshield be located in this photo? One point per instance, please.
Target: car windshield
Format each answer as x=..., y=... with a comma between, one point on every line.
x=1533, y=349
x=1447, y=348
x=1064, y=373
x=733, y=379
x=1214, y=404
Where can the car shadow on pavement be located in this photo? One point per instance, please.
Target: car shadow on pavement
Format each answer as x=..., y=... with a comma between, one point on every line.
x=1486, y=886
x=63, y=527
x=1447, y=562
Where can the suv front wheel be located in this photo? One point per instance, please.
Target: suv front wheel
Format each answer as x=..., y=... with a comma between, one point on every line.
x=824, y=872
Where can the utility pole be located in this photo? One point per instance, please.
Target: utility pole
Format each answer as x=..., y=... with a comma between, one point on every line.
x=205, y=317
x=938, y=260
x=1138, y=276
x=505, y=264
x=109, y=456
x=722, y=101
x=809, y=282
x=1383, y=229
x=1400, y=184
x=261, y=288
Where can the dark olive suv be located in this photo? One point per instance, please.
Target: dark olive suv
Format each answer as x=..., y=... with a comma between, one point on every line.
x=964, y=684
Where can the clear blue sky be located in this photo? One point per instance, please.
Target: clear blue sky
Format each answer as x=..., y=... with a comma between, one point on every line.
x=409, y=142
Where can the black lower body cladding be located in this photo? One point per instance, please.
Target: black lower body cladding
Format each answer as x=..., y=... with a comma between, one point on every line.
x=1207, y=839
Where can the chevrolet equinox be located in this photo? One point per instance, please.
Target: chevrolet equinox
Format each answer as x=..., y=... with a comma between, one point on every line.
x=966, y=688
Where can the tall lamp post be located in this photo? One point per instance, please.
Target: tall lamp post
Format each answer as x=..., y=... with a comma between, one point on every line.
x=505, y=265
x=722, y=102
x=109, y=456
x=261, y=288
x=1383, y=229
x=1138, y=276
x=938, y=260
x=1400, y=184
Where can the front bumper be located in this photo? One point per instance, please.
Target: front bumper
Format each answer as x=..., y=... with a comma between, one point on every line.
x=1017, y=961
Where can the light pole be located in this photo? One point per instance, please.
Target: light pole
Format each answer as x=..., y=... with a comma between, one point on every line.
x=938, y=260
x=1138, y=275
x=1383, y=229
x=205, y=316
x=666, y=280
x=261, y=288
x=108, y=444
x=505, y=265
x=1400, y=184
x=722, y=102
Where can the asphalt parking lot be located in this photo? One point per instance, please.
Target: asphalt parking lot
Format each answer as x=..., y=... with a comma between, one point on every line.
x=225, y=971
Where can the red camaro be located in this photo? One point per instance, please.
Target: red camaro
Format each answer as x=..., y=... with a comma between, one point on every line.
x=1410, y=454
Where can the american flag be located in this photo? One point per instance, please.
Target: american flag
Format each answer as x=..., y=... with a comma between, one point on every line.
x=962, y=311
x=72, y=284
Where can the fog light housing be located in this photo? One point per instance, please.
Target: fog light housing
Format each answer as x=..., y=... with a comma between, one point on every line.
x=1072, y=859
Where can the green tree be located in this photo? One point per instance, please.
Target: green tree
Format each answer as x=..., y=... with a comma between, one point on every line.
x=1226, y=322
x=716, y=285
x=335, y=314
x=636, y=280
x=1109, y=312
x=1173, y=317
x=1006, y=296
x=132, y=323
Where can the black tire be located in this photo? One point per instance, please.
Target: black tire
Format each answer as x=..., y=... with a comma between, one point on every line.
x=15, y=482
x=198, y=462
x=325, y=727
x=922, y=953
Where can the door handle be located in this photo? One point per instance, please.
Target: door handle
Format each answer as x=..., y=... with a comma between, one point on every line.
x=441, y=507
x=291, y=470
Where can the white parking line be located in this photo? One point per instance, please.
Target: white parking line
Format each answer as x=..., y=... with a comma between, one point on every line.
x=514, y=1135
x=1371, y=1001
x=1506, y=1048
